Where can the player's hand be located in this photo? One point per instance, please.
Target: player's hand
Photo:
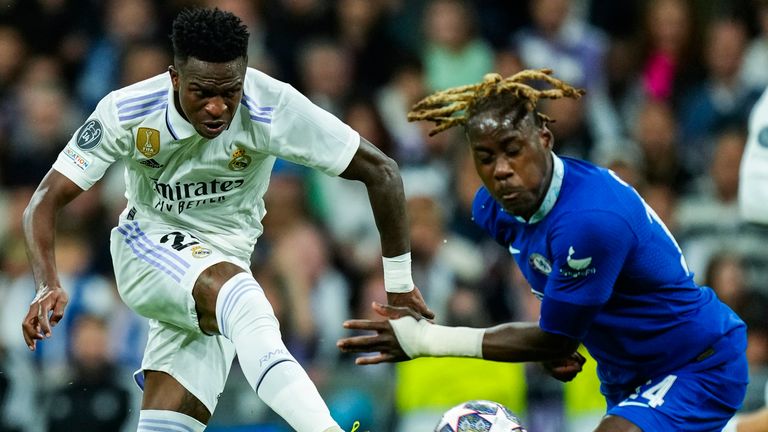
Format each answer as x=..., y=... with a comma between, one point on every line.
x=565, y=369
x=384, y=341
x=411, y=300
x=45, y=311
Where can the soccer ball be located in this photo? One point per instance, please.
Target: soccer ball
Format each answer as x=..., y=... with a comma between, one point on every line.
x=479, y=416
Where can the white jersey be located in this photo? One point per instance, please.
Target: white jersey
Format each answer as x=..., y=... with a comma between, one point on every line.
x=213, y=188
x=753, y=181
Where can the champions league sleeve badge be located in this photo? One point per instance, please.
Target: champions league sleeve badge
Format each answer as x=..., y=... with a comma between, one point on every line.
x=89, y=136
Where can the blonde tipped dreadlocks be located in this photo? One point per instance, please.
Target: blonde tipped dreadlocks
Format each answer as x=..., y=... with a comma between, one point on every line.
x=441, y=106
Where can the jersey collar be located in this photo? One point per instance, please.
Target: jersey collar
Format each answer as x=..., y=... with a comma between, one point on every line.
x=178, y=127
x=558, y=172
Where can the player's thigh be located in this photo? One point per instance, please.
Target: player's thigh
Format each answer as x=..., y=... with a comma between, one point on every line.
x=198, y=363
x=156, y=269
x=163, y=392
x=689, y=399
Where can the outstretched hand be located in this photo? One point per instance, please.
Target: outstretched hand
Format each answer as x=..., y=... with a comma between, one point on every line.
x=45, y=311
x=384, y=341
x=412, y=300
x=565, y=369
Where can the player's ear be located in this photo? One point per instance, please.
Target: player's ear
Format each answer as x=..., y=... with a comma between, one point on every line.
x=546, y=137
x=174, y=77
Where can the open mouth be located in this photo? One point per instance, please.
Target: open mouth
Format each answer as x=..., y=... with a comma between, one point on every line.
x=214, y=128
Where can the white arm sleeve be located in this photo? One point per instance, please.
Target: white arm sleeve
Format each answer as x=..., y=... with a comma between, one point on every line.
x=753, y=181
x=424, y=339
x=96, y=145
x=306, y=134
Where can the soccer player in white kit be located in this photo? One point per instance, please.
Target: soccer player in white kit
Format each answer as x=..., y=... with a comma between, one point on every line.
x=199, y=144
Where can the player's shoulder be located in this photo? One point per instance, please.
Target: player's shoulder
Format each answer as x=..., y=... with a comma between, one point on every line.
x=136, y=101
x=262, y=88
x=589, y=189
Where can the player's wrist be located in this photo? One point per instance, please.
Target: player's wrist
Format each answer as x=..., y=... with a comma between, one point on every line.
x=397, y=274
x=424, y=339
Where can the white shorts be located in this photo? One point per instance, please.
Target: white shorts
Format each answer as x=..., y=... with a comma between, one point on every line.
x=155, y=269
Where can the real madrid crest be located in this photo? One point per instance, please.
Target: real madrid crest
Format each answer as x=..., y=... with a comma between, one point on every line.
x=148, y=141
x=239, y=161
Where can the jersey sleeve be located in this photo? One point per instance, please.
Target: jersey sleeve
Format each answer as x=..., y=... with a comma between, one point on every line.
x=588, y=251
x=306, y=134
x=96, y=145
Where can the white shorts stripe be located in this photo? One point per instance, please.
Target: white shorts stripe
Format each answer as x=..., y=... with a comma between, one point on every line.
x=173, y=256
x=144, y=255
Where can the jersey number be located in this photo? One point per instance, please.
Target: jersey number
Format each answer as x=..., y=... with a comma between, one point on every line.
x=655, y=394
x=178, y=240
x=654, y=218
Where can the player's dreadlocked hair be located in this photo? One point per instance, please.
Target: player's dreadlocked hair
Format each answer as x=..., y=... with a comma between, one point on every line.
x=210, y=35
x=511, y=92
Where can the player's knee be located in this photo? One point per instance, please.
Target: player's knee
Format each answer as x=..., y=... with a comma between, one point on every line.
x=206, y=291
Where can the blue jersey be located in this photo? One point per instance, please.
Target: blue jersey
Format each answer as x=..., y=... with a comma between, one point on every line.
x=610, y=275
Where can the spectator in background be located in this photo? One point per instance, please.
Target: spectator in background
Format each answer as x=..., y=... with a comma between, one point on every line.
x=656, y=134
x=290, y=24
x=577, y=50
x=669, y=46
x=351, y=226
x=125, y=22
x=359, y=28
x=91, y=399
x=709, y=216
x=143, y=60
x=754, y=71
x=394, y=100
x=454, y=53
x=251, y=13
x=721, y=99
x=725, y=273
x=326, y=74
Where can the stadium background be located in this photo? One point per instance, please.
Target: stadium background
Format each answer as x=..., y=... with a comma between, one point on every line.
x=670, y=84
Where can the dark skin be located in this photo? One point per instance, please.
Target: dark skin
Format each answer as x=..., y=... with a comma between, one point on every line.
x=515, y=164
x=207, y=95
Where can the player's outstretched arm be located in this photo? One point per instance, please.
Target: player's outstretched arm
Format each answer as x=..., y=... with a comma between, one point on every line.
x=405, y=335
x=39, y=222
x=381, y=177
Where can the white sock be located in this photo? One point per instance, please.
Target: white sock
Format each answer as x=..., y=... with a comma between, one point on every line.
x=167, y=421
x=246, y=318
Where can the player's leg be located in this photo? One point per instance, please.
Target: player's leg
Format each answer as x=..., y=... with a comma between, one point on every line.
x=230, y=302
x=167, y=405
x=617, y=424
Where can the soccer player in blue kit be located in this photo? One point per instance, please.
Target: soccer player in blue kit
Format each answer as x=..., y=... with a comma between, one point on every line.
x=670, y=355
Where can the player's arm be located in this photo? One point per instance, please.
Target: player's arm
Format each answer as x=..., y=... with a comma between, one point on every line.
x=381, y=177
x=39, y=224
x=405, y=336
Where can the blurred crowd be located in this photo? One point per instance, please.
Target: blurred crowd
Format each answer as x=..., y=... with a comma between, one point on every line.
x=670, y=84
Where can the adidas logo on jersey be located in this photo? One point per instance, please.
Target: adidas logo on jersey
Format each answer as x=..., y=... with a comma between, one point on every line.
x=151, y=163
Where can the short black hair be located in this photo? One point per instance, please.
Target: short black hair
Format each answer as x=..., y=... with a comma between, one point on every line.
x=210, y=35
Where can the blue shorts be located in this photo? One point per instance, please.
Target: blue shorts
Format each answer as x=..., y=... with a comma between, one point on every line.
x=689, y=399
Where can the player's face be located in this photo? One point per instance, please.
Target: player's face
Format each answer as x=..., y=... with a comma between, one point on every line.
x=515, y=165
x=208, y=93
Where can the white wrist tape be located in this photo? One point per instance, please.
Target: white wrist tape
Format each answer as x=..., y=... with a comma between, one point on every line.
x=424, y=339
x=397, y=274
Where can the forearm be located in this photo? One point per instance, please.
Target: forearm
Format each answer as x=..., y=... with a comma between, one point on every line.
x=39, y=224
x=388, y=205
x=523, y=342
x=513, y=342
